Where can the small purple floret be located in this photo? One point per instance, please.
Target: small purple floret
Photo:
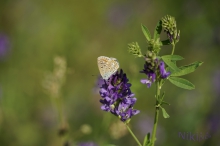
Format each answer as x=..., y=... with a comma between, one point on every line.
x=153, y=72
x=163, y=73
x=147, y=82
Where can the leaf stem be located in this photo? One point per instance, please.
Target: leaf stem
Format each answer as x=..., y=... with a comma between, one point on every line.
x=156, y=114
x=133, y=135
x=173, y=48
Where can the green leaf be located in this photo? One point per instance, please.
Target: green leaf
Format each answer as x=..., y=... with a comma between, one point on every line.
x=165, y=114
x=162, y=96
x=157, y=30
x=163, y=102
x=173, y=57
x=182, y=83
x=171, y=64
x=159, y=57
x=199, y=63
x=170, y=70
x=187, y=69
x=146, y=139
x=149, y=144
x=166, y=42
x=146, y=32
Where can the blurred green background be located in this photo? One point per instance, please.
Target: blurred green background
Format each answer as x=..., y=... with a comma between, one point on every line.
x=35, y=33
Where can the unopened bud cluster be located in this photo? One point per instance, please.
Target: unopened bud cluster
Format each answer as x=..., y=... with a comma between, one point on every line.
x=134, y=49
x=154, y=45
x=169, y=26
x=150, y=59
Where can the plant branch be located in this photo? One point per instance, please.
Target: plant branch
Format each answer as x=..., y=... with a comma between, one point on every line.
x=156, y=114
x=133, y=135
x=173, y=48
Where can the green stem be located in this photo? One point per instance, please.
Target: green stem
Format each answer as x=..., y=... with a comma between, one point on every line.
x=133, y=135
x=173, y=49
x=156, y=115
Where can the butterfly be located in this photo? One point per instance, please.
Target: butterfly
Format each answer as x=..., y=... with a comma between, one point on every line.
x=107, y=66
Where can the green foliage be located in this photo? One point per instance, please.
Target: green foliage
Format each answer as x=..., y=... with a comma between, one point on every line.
x=163, y=102
x=147, y=140
x=149, y=144
x=165, y=114
x=168, y=23
x=170, y=60
x=187, y=69
x=182, y=83
x=134, y=49
x=166, y=42
x=172, y=57
x=158, y=30
x=146, y=32
x=162, y=97
x=170, y=63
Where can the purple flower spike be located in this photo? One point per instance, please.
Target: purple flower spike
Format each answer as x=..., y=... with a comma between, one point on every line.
x=117, y=97
x=150, y=71
x=163, y=73
x=155, y=70
x=128, y=114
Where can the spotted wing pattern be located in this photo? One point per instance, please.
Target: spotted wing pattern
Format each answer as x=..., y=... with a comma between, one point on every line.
x=107, y=66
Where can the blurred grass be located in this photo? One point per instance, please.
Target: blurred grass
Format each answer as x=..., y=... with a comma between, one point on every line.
x=81, y=31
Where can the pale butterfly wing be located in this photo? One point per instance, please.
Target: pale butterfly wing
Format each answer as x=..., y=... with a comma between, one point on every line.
x=107, y=66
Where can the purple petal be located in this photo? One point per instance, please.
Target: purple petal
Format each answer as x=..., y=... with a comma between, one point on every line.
x=147, y=82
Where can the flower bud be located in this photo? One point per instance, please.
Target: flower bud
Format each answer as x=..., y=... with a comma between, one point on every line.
x=169, y=26
x=134, y=49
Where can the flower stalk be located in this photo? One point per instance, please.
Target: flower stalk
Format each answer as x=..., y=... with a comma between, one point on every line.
x=135, y=138
x=173, y=49
x=156, y=114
